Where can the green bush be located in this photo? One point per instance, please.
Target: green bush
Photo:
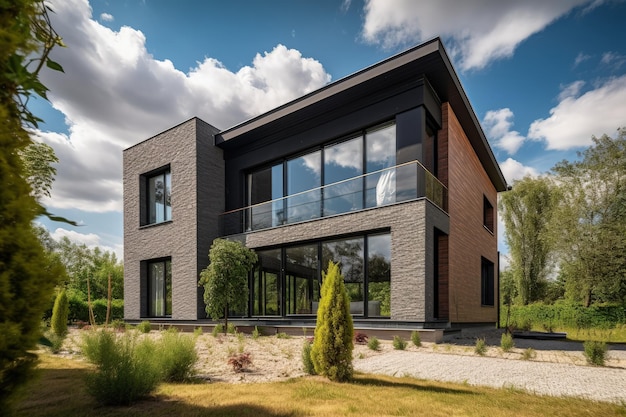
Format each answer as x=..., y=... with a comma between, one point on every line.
x=144, y=326
x=416, y=339
x=528, y=354
x=595, y=352
x=333, y=341
x=506, y=342
x=309, y=368
x=481, y=347
x=127, y=369
x=178, y=356
x=373, y=343
x=399, y=343
x=60, y=312
x=256, y=333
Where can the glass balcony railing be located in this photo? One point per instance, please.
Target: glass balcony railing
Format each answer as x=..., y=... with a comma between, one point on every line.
x=400, y=183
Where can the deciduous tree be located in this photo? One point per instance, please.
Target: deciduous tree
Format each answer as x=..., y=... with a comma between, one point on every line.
x=225, y=280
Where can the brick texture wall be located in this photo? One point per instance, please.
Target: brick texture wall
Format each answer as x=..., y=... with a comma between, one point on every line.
x=411, y=225
x=468, y=184
x=194, y=219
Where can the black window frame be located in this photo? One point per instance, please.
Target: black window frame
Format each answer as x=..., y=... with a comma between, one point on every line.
x=487, y=282
x=148, y=278
x=146, y=206
x=488, y=215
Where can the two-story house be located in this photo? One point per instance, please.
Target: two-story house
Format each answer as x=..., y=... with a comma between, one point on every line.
x=386, y=171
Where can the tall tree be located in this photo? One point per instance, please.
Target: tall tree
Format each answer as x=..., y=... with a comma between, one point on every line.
x=225, y=280
x=527, y=210
x=26, y=278
x=591, y=221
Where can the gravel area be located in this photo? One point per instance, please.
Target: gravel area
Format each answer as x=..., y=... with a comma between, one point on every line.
x=559, y=368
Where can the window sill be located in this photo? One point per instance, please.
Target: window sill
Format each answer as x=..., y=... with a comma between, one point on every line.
x=488, y=229
x=147, y=226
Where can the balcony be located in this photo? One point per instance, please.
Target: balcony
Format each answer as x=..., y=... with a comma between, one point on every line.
x=405, y=182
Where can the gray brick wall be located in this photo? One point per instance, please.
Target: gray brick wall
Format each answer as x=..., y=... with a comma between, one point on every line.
x=193, y=218
x=411, y=248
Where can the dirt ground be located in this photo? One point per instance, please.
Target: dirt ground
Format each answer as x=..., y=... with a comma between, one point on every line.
x=276, y=358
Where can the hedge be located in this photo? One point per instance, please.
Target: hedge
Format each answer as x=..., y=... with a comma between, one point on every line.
x=564, y=314
x=79, y=311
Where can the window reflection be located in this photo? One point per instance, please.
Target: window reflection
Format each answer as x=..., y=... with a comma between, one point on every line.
x=381, y=154
x=304, y=174
x=266, y=284
x=302, y=291
x=348, y=253
x=341, y=162
x=160, y=288
x=159, y=198
x=379, y=275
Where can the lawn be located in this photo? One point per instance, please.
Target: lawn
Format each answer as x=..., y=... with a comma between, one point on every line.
x=60, y=392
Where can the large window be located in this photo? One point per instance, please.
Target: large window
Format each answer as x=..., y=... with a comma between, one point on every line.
x=289, y=191
x=287, y=281
x=487, y=282
x=487, y=214
x=160, y=288
x=159, y=197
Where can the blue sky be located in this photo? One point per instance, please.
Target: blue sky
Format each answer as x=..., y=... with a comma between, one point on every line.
x=542, y=76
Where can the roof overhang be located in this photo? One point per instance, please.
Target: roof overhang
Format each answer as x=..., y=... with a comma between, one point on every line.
x=428, y=59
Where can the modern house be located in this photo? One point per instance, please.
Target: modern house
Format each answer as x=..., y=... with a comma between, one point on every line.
x=386, y=171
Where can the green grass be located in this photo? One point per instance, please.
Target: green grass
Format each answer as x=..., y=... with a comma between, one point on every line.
x=60, y=392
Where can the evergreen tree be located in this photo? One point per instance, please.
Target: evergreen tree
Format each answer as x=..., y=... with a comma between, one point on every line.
x=60, y=311
x=332, y=346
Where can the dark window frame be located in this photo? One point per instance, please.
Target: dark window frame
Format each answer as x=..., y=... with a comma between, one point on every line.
x=487, y=283
x=164, y=261
x=488, y=215
x=146, y=207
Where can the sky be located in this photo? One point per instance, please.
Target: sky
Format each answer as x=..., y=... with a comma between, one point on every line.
x=543, y=77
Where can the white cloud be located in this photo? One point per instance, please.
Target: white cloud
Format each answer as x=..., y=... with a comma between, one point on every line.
x=477, y=31
x=514, y=170
x=613, y=59
x=580, y=58
x=114, y=93
x=106, y=17
x=498, y=124
x=90, y=240
x=571, y=90
x=577, y=118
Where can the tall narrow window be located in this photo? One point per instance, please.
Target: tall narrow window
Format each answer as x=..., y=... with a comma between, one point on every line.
x=160, y=288
x=343, y=167
x=302, y=286
x=380, y=151
x=266, y=284
x=487, y=214
x=379, y=275
x=159, y=201
x=303, y=182
x=487, y=283
x=264, y=187
x=348, y=253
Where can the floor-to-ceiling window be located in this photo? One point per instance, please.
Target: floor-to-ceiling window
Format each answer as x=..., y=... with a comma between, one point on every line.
x=343, y=167
x=265, y=291
x=292, y=276
x=380, y=184
x=303, y=181
x=379, y=275
x=160, y=288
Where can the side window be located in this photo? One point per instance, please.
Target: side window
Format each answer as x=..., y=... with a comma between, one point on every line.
x=160, y=288
x=158, y=196
x=487, y=283
x=487, y=214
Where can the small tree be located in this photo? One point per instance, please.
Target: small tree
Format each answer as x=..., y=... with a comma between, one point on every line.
x=225, y=280
x=60, y=311
x=332, y=346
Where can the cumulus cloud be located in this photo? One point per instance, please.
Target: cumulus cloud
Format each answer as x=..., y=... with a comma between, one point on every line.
x=498, y=124
x=578, y=116
x=106, y=17
x=515, y=170
x=477, y=32
x=90, y=240
x=114, y=93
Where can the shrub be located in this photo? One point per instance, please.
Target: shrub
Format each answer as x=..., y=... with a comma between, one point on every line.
x=219, y=328
x=416, y=339
x=506, y=342
x=331, y=352
x=240, y=362
x=127, y=370
x=283, y=335
x=144, y=326
x=118, y=325
x=399, y=343
x=178, y=356
x=309, y=368
x=481, y=347
x=197, y=331
x=373, y=343
x=360, y=338
x=595, y=352
x=528, y=354
x=256, y=333
x=60, y=312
